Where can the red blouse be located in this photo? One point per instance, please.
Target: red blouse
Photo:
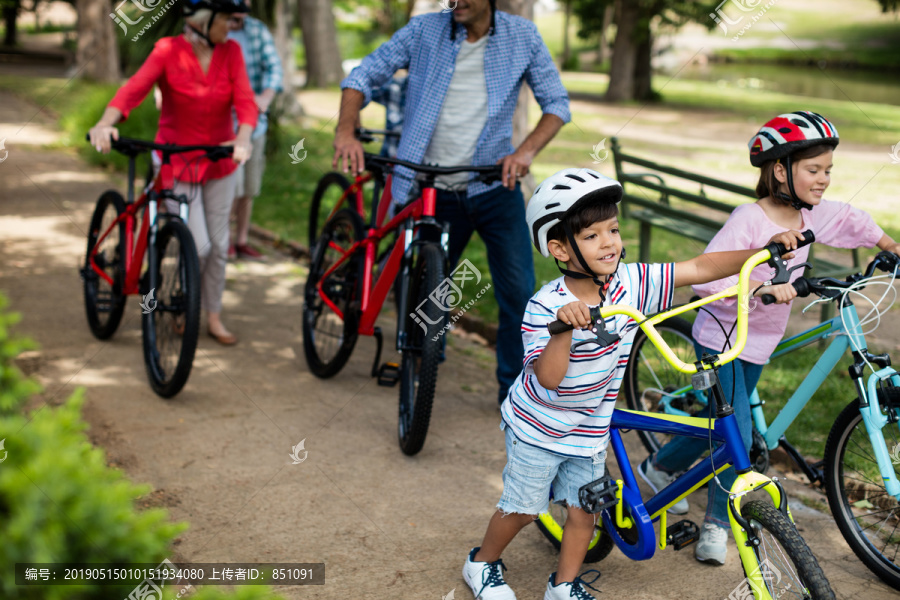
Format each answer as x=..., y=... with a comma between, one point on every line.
x=196, y=108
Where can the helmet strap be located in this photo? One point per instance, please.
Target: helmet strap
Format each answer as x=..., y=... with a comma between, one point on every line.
x=204, y=36
x=796, y=203
x=588, y=274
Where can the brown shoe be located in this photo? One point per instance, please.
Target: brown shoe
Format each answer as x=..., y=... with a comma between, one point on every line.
x=225, y=340
x=247, y=252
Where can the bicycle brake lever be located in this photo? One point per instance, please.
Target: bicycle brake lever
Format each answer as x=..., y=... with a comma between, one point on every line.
x=603, y=337
x=782, y=273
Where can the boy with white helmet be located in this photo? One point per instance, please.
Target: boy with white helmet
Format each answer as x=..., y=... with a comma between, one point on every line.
x=557, y=414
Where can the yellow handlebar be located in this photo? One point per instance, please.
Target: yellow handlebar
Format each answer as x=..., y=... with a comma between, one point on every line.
x=741, y=290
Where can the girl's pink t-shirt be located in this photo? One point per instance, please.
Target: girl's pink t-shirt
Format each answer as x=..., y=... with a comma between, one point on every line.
x=835, y=224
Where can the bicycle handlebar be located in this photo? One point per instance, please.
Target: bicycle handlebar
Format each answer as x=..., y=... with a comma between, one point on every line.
x=133, y=147
x=771, y=253
x=885, y=261
x=487, y=173
x=368, y=135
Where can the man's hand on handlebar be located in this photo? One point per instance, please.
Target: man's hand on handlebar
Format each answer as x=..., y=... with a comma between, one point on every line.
x=514, y=167
x=350, y=150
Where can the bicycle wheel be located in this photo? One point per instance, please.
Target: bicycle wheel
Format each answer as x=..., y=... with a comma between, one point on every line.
x=786, y=564
x=172, y=324
x=326, y=197
x=104, y=303
x=551, y=525
x=651, y=383
x=868, y=517
x=329, y=335
x=421, y=352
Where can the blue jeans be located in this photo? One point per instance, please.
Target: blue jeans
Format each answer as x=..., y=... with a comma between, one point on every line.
x=681, y=452
x=498, y=216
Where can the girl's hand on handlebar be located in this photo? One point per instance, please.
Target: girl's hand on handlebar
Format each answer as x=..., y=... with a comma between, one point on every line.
x=100, y=137
x=575, y=313
x=783, y=293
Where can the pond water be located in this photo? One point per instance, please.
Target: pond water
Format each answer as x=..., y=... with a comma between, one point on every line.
x=836, y=84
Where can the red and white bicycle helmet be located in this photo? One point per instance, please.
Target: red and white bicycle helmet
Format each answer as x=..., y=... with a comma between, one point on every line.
x=788, y=133
x=559, y=193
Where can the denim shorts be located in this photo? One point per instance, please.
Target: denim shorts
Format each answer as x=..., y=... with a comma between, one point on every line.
x=530, y=471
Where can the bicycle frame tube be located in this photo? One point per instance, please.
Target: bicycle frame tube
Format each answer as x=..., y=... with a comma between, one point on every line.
x=723, y=430
x=817, y=375
x=875, y=421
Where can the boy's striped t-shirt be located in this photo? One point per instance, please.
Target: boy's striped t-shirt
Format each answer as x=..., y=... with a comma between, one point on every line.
x=573, y=419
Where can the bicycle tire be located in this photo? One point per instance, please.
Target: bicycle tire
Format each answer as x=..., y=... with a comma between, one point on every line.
x=103, y=307
x=551, y=527
x=171, y=327
x=420, y=354
x=321, y=325
x=648, y=370
x=795, y=559
x=329, y=190
x=853, y=484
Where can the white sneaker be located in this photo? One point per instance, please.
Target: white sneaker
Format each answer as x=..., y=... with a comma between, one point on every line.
x=486, y=579
x=570, y=589
x=712, y=545
x=657, y=480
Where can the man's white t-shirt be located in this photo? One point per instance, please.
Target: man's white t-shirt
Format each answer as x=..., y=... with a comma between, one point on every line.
x=463, y=115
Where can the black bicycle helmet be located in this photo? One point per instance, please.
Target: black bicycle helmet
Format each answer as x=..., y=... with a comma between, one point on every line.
x=191, y=7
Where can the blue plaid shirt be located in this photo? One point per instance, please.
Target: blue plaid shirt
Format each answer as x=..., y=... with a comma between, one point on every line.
x=262, y=61
x=514, y=53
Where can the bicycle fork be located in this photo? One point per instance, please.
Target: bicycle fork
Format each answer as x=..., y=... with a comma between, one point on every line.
x=875, y=420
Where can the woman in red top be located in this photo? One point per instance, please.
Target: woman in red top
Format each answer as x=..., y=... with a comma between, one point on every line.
x=201, y=75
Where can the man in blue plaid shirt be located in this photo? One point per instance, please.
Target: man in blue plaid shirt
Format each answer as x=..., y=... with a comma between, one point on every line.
x=265, y=74
x=465, y=71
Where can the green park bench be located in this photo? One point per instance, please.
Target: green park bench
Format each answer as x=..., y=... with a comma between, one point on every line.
x=653, y=202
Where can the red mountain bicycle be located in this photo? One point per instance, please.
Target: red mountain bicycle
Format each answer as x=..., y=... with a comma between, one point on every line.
x=170, y=284
x=343, y=297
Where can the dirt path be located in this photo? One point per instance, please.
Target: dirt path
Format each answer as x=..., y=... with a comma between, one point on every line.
x=387, y=526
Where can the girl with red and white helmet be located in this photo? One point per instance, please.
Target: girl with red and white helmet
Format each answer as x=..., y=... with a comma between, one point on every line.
x=794, y=154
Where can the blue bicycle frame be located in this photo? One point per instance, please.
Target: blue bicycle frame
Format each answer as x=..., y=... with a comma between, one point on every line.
x=840, y=329
x=641, y=514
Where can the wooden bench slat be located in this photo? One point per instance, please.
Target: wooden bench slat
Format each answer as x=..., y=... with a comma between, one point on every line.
x=707, y=202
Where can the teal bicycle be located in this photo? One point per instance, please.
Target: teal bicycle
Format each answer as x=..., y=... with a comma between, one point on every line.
x=862, y=453
x=775, y=558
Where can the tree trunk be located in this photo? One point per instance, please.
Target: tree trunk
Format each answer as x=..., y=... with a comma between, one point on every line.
x=286, y=103
x=97, y=54
x=10, y=14
x=566, y=49
x=602, y=46
x=323, y=59
x=624, y=58
x=523, y=8
x=642, y=65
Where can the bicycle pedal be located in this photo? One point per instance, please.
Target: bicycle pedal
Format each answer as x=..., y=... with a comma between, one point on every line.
x=388, y=374
x=681, y=534
x=598, y=495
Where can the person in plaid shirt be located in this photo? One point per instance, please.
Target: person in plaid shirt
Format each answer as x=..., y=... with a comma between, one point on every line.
x=265, y=74
x=466, y=68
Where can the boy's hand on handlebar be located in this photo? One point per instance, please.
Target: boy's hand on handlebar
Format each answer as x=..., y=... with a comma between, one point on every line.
x=789, y=240
x=575, y=313
x=784, y=293
x=100, y=137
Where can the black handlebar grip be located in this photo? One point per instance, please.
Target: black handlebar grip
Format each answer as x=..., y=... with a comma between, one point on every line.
x=559, y=327
x=778, y=249
x=801, y=285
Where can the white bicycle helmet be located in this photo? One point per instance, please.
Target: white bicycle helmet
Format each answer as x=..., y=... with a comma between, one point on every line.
x=559, y=193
